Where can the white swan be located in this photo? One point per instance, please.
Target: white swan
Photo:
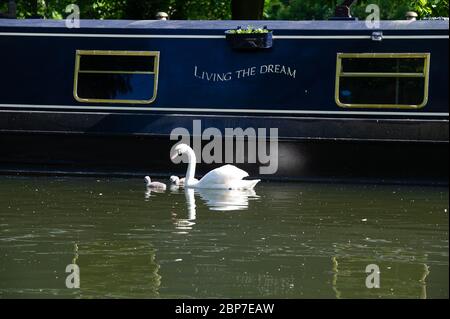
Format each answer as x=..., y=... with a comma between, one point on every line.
x=154, y=185
x=224, y=177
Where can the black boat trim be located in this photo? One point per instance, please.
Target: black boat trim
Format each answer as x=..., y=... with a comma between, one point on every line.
x=280, y=139
x=294, y=128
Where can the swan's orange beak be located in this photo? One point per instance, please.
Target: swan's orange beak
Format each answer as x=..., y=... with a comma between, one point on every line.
x=173, y=156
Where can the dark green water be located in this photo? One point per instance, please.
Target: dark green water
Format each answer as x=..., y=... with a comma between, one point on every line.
x=291, y=240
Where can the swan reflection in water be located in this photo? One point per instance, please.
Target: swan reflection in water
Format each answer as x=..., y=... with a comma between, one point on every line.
x=226, y=200
x=215, y=200
x=186, y=223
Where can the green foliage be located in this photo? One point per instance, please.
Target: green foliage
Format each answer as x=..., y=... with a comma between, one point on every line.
x=322, y=10
x=123, y=9
x=299, y=9
x=389, y=10
x=221, y=9
x=55, y=9
x=430, y=8
x=200, y=9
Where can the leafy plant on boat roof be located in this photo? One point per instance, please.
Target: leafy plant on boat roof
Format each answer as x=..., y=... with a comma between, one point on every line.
x=250, y=38
x=250, y=30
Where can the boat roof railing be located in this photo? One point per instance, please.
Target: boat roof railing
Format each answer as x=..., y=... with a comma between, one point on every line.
x=220, y=25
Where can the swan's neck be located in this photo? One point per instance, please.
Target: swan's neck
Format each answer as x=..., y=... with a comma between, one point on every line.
x=192, y=160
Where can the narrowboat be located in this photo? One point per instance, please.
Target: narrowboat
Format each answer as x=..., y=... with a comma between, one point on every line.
x=347, y=101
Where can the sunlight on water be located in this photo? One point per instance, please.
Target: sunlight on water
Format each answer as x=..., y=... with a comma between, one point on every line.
x=284, y=240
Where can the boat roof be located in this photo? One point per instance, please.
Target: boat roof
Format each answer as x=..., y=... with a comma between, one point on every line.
x=229, y=24
x=217, y=27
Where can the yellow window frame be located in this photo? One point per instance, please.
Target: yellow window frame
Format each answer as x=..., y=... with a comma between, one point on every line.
x=155, y=72
x=424, y=75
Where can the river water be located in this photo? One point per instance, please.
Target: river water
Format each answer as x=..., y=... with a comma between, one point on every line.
x=285, y=240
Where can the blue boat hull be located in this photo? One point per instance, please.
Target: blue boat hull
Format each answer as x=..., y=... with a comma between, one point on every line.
x=48, y=125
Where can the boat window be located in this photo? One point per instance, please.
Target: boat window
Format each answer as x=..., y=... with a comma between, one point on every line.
x=116, y=76
x=382, y=80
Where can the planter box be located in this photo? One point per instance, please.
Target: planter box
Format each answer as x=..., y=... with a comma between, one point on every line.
x=249, y=41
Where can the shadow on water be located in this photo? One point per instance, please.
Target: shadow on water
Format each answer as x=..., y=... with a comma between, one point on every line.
x=281, y=240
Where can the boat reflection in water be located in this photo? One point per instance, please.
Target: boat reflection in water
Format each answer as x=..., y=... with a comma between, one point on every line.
x=347, y=274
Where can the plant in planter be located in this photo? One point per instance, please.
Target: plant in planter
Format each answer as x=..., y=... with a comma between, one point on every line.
x=250, y=38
